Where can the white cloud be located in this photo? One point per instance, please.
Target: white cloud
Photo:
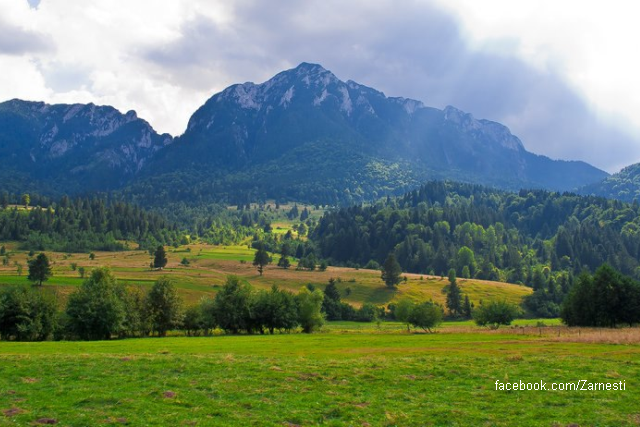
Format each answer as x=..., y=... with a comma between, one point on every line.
x=591, y=45
x=557, y=73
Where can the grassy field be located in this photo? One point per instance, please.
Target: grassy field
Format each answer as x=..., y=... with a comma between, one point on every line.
x=360, y=375
x=210, y=265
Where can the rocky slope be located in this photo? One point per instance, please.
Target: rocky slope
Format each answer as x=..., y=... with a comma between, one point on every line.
x=304, y=135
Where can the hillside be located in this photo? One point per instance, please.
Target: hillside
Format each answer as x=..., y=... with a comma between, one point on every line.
x=54, y=149
x=538, y=238
x=624, y=185
x=210, y=265
x=303, y=135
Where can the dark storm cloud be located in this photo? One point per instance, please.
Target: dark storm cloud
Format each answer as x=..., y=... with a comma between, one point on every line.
x=409, y=49
x=16, y=41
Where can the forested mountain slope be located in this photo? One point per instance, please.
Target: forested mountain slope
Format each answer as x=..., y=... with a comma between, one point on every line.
x=494, y=234
x=303, y=135
x=624, y=185
x=306, y=135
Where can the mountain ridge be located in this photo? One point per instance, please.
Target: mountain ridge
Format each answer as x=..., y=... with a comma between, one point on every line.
x=303, y=134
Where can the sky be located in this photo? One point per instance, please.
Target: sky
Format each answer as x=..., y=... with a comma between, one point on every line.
x=563, y=76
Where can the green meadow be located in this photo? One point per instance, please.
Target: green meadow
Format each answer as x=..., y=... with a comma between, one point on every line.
x=372, y=376
x=354, y=374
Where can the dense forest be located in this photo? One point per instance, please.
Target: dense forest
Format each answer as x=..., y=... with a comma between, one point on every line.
x=537, y=238
x=624, y=185
x=80, y=224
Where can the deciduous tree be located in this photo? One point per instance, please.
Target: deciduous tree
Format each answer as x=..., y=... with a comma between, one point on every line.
x=164, y=306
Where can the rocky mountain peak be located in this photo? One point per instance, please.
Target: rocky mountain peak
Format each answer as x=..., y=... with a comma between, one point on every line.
x=490, y=131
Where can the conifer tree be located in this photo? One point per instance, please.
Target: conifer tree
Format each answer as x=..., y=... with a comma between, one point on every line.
x=39, y=269
x=261, y=259
x=391, y=271
x=160, y=259
x=454, y=296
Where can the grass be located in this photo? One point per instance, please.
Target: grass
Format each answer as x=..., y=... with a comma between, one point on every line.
x=210, y=265
x=375, y=378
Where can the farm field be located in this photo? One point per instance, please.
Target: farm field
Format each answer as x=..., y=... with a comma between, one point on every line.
x=210, y=265
x=351, y=374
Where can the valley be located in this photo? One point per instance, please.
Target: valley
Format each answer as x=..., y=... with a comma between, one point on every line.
x=309, y=251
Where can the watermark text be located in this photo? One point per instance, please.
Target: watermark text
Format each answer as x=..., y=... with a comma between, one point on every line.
x=578, y=385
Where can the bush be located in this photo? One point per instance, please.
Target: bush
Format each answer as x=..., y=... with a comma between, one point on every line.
x=367, y=313
x=309, y=309
x=495, y=313
x=275, y=310
x=194, y=320
x=372, y=265
x=426, y=315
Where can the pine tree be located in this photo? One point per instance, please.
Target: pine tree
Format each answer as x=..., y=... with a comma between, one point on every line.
x=261, y=259
x=39, y=269
x=391, y=271
x=284, y=256
x=284, y=262
x=160, y=259
x=467, y=308
x=454, y=297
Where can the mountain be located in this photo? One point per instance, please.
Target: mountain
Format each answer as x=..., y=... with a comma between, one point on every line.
x=306, y=135
x=72, y=148
x=303, y=135
x=624, y=185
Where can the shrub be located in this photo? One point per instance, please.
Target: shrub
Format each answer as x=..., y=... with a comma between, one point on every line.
x=426, y=315
x=309, y=309
x=495, y=313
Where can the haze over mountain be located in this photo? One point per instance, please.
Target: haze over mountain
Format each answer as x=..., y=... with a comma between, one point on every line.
x=72, y=148
x=302, y=135
x=624, y=185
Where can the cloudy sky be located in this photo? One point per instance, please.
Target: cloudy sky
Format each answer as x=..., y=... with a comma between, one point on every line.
x=563, y=76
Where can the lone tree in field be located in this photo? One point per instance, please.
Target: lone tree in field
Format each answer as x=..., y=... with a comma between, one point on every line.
x=426, y=315
x=391, y=271
x=39, y=269
x=261, y=259
x=160, y=259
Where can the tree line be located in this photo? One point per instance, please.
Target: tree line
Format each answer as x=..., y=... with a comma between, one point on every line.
x=604, y=299
x=103, y=308
x=538, y=238
x=83, y=224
